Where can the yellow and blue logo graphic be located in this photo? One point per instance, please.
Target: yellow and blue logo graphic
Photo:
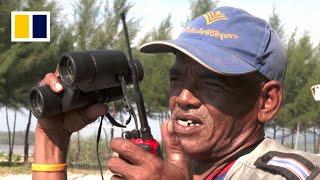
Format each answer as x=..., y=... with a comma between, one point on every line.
x=30, y=26
x=212, y=17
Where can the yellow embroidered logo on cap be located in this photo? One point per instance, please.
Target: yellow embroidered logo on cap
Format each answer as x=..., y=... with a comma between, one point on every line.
x=212, y=17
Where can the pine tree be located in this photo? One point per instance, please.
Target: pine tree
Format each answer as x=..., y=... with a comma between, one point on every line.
x=105, y=34
x=297, y=99
x=199, y=7
x=6, y=6
x=155, y=86
x=22, y=65
x=86, y=12
x=275, y=23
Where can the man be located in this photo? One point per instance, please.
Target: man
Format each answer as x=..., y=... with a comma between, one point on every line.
x=225, y=84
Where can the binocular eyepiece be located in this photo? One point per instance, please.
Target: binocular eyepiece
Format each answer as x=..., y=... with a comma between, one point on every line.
x=88, y=77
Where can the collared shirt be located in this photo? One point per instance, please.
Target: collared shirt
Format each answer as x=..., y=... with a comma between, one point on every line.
x=245, y=168
x=219, y=174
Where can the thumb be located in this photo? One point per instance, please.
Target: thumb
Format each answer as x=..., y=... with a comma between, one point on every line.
x=172, y=145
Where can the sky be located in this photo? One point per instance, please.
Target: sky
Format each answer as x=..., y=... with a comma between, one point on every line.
x=301, y=14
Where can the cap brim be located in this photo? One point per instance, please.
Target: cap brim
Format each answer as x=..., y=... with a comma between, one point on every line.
x=210, y=56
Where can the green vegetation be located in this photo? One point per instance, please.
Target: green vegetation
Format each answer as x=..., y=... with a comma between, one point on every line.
x=14, y=168
x=22, y=65
x=88, y=157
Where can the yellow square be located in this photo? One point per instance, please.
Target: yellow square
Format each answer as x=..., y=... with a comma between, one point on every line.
x=21, y=26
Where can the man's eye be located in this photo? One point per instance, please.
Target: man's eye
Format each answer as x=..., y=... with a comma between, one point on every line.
x=174, y=78
x=210, y=83
x=215, y=85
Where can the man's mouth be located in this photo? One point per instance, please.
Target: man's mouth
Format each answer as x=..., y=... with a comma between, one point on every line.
x=186, y=124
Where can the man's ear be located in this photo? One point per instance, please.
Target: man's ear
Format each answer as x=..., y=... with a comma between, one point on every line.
x=270, y=100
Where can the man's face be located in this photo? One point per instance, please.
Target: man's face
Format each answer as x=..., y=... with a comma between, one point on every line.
x=213, y=114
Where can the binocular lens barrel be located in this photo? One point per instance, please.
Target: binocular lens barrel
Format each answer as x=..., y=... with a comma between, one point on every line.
x=44, y=102
x=70, y=70
x=37, y=101
x=67, y=70
x=87, y=77
x=92, y=70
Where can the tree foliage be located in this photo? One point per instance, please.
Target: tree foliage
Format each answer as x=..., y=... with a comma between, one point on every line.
x=199, y=7
x=275, y=23
x=155, y=86
x=97, y=26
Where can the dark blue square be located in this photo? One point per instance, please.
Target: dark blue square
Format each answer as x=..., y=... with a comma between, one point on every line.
x=39, y=26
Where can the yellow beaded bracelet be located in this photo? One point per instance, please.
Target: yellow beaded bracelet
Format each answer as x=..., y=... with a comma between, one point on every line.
x=49, y=167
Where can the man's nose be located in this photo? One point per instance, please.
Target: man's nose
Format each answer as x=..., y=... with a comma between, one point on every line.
x=186, y=100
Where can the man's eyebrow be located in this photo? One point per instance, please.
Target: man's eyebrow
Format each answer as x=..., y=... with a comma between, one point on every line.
x=211, y=76
x=207, y=74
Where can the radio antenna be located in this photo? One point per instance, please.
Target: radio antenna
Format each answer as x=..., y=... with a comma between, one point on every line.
x=145, y=129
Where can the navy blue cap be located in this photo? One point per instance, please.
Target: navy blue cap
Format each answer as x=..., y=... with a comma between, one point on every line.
x=229, y=41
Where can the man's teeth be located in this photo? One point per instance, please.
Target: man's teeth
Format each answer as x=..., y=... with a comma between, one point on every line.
x=183, y=123
x=188, y=123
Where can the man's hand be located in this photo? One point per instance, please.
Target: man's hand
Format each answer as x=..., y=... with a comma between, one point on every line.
x=144, y=165
x=53, y=134
x=67, y=123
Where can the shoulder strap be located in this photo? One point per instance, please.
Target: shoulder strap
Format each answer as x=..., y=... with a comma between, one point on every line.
x=290, y=165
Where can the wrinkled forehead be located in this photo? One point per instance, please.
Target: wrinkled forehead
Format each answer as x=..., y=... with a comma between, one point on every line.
x=183, y=61
x=184, y=64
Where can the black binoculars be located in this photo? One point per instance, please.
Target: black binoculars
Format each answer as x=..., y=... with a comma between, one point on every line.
x=88, y=77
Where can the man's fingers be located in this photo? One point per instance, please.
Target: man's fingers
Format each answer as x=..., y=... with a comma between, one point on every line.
x=132, y=152
x=172, y=144
x=56, y=73
x=119, y=166
x=94, y=111
x=53, y=81
x=77, y=119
